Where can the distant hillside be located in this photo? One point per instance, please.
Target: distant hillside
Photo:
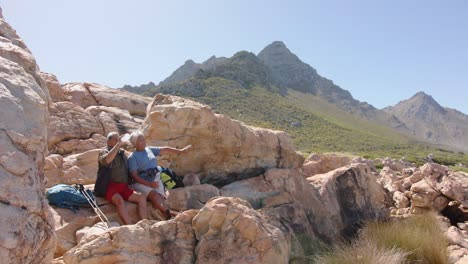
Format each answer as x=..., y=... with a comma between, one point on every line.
x=426, y=119
x=189, y=69
x=139, y=89
x=275, y=89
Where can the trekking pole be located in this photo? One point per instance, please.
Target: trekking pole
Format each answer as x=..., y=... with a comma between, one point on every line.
x=94, y=205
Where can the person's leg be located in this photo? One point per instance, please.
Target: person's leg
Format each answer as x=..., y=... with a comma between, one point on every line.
x=119, y=202
x=140, y=199
x=159, y=203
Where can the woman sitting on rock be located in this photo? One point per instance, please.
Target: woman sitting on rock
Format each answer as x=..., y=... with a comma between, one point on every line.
x=143, y=169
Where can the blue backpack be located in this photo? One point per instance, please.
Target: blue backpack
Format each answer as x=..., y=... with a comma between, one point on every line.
x=66, y=196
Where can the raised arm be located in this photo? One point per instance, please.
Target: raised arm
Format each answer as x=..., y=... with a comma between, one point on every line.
x=169, y=150
x=110, y=156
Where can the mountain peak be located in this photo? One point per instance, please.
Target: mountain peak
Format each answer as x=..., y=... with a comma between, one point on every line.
x=420, y=105
x=423, y=98
x=276, y=47
x=421, y=95
x=277, y=44
x=189, y=62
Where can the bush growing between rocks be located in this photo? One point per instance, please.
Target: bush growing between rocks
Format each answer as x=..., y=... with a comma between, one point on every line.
x=418, y=239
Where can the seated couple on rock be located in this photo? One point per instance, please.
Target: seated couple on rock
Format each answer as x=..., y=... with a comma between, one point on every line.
x=144, y=182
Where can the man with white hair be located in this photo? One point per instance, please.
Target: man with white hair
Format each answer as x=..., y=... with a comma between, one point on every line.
x=114, y=164
x=143, y=169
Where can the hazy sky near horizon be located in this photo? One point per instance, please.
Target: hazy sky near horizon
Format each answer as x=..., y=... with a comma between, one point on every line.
x=381, y=51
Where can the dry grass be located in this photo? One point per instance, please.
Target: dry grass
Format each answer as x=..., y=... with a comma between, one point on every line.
x=418, y=239
x=363, y=252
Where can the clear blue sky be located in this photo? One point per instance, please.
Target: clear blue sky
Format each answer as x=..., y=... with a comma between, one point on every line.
x=381, y=51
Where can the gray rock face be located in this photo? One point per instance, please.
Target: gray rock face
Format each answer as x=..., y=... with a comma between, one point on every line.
x=428, y=120
x=288, y=69
x=27, y=226
x=290, y=72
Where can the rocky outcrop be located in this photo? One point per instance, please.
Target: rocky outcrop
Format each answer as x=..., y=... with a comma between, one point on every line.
x=286, y=197
x=77, y=146
x=323, y=207
x=54, y=87
x=146, y=242
x=191, y=197
x=78, y=125
x=228, y=230
x=323, y=163
x=352, y=196
x=114, y=119
x=27, y=227
x=69, y=121
x=69, y=224
x=89, y=94
x=429, y=187
x=77, y=168
x=216, y=141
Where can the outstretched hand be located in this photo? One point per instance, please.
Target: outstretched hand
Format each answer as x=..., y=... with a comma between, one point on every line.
x=123, y=140
x=186, y=148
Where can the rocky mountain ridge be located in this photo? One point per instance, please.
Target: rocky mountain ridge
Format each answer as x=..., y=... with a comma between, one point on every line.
x=280, y=70
x=425, y=118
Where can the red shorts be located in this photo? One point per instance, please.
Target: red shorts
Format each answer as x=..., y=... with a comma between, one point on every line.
x=120, y=188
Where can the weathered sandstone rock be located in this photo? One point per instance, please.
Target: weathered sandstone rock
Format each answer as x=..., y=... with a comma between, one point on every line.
x=191, y=197
x=91, y=94
x=351, y=195
x=114, y=119
x=77, y=168
x=228, y=230
x=319, y=164
x=68, y=223
x=223, y=150
x=26, y=225
x=53, y=85
x=69, y=121
x=284, y=196
x=76, y=146
x=429, y=187
x=148, y=241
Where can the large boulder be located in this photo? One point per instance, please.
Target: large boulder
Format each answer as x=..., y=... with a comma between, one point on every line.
x=77, y=168
x=78, y=94
x=323, y=207
x=89, y=94
x=148, y=241
x=352, y=196
x=229, y=230
x=423, y=195
x=54, y=87
x=76, y=146
x=286, y=197
x=114, y=119
x=429, y=187
x=191, y=197
x=69, y=121
x=69, y=224
x=323, y=163
x=27, y=226
x=223, y=150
